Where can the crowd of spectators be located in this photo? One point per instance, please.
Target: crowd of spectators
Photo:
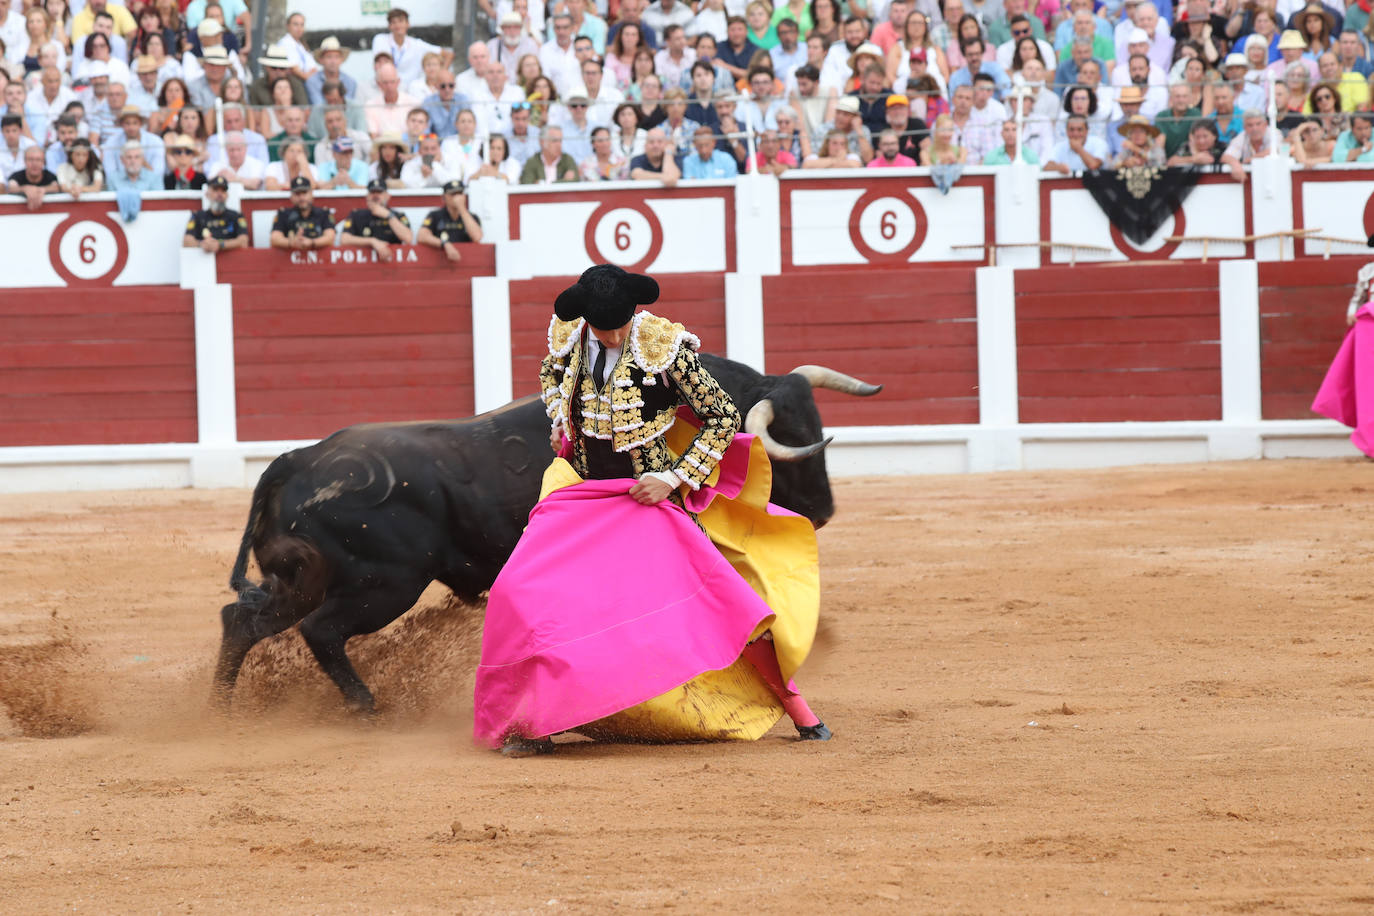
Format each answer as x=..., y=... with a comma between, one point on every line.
x=101, y=95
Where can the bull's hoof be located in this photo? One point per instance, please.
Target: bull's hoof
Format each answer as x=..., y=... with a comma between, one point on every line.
x=526, y=747
x=817, y=732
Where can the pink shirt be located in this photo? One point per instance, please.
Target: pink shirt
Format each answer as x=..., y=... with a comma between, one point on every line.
x=884, y=36
x=783, y=156
x=901, y=162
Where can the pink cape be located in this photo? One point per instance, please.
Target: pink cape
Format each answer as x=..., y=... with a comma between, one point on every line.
x=604, y=604
x=1347, y=392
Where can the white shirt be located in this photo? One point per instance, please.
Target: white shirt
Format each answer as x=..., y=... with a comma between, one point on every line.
x=535, y=20
x=835, y=71
x=1161, y=50
x=252, y=169
x=459, y=161
x=468, y=81
x=13, y=162
x=409, y=57
x=439, y=175
x=299, y=55
x=119, y=72
x=560, y=65
x=41, y=112
x=145, y=100
x=603, y=106
x=255, y=142
x=1156, y=96
x=13, y=32
x=711, y=22
x=493, y=112
x=655, y=18
x=277, y=170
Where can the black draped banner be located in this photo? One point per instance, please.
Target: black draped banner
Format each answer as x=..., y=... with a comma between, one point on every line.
x=1138, y=200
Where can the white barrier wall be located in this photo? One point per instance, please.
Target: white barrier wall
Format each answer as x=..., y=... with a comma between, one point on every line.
x=757, y=224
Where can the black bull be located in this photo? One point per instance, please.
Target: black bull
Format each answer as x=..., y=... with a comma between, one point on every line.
x=348, y=532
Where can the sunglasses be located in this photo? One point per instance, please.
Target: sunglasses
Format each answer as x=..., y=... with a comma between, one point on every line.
x=180, y=152
x=447, y=85
x=1020, y=33
x=577, y=104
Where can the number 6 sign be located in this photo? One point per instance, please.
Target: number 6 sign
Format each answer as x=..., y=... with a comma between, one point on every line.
x=628, y=235
x=887, y=228
x=88, y=250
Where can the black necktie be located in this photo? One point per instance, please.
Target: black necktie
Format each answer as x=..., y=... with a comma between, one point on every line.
x=599, y=370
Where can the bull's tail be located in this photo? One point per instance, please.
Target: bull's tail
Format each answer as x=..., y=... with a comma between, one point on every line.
x=264, y=495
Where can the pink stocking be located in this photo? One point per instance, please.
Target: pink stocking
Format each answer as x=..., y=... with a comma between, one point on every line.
x=762, y=656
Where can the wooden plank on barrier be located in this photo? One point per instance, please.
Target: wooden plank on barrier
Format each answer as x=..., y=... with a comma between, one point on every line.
x=117, y=353
x=119, y=405
x=169, y=325
x=1124, y=304
x=1134, y=330
x=350, y=322
x=341, y=349
x=1074, y=383
x=358, y=374
x=1166, y=355
x=399, y=402
x=97, y=432
x=82, y=379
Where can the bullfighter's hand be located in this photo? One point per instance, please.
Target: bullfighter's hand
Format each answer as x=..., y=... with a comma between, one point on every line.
x=556, y=439
x=650, y=491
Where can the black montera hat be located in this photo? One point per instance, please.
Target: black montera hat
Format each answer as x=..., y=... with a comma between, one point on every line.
x=606, y=296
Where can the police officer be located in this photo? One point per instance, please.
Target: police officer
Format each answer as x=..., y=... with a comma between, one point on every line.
x=217, y=228
x=377, y=226
x=303, y=225
x=450, y=225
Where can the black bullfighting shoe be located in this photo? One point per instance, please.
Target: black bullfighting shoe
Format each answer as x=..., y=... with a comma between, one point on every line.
x=517, y=746
x=817, y=732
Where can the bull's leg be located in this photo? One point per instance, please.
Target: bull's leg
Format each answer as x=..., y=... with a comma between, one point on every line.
x=247, y=622
x=353, y=613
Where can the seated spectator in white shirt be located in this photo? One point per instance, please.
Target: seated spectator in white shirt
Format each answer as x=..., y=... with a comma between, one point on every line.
x=577, y=127
x=663, y=13
x=238, y=165
x=673, y=63
x=15, y=143
x=294, y=163
x=46, y=103
x=603, y=98
x=462, y=153
x=557, y=56
x=493, y=99
x=143, y=92
x=1078, y=151
x=427, y=169
x=407, y=52
x=293, y=42
x=1152, y=81
x=387, y=113
x=711, y=19
x=131, y=129
x=475, y=75
x=235, y=119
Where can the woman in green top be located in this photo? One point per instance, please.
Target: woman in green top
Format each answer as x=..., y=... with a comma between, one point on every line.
x=761, y=31
x=797, y=10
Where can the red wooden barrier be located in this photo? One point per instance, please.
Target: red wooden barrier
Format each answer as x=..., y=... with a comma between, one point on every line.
x=1302, y=323
x=315, y=357
x=1118, y=343
x=695, y=300
x=912, y=329
x=113, y=366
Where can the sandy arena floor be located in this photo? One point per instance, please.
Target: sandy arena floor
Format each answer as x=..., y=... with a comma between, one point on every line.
x=1146, y=690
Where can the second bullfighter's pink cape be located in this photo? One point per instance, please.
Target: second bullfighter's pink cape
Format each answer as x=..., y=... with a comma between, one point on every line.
x=606, y=604
x=1347, y=392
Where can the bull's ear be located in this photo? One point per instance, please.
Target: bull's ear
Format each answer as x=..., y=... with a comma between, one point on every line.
x=571, y=304
x=643, y=289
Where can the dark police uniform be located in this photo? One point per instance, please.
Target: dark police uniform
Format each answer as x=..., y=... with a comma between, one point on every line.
x=362, y=222
x=289, y=220
x=207, y=225
x=448, y=228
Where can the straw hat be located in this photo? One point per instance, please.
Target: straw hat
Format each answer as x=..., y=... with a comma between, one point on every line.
x=1134, y=121
x=868, y=48
x=391, y=140
x=276, y=57
x=1315, y=9
x=1292, y=40
x=331, y=44
x=209, y=28
x=216, y=55
x=1130, y=95
x=145, y=64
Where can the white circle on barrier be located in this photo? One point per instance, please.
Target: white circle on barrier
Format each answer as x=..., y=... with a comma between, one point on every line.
x=88, y=249
x=1156, y=241
x=624, y=236
x=887, y=225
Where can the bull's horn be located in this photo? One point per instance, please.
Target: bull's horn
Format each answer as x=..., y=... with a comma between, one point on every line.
x=822, y=377
x=756, y=424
